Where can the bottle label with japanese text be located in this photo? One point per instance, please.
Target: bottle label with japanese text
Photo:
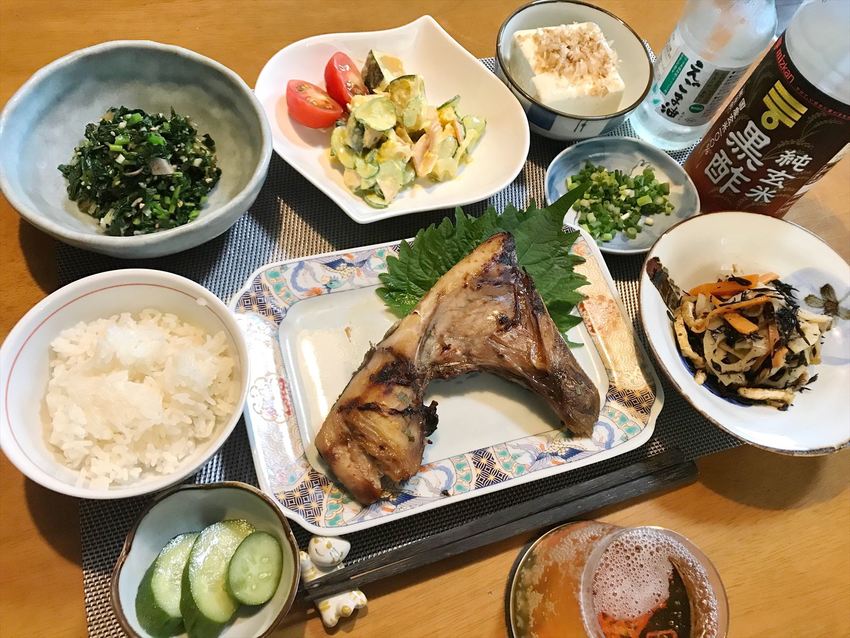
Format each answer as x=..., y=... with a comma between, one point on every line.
x=776, y=138
x=688, y=90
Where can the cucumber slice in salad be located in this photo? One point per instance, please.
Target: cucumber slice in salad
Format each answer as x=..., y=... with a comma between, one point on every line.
x=158, y=597
x=408, y=94
x=375, y=201
x=206, y=600
x=255, y=569
x=375, y=111
x=339, y=149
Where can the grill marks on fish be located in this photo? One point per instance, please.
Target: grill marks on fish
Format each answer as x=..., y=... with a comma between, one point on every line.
x=482, y=315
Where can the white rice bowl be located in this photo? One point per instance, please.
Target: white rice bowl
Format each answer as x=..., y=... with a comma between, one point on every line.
x=135, y=394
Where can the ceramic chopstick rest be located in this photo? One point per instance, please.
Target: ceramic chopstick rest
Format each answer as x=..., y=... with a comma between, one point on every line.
x=328, y=551
x=323, y=556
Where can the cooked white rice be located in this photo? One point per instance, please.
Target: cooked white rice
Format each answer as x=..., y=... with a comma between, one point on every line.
x=134, y=395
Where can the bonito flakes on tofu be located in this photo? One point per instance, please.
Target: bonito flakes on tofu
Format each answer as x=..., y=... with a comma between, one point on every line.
x=570, y=68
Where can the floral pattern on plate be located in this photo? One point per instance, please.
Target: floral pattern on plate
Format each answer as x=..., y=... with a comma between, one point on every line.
x=306, y=495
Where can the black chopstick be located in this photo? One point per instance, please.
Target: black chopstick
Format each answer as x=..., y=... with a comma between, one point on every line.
x=664, y=470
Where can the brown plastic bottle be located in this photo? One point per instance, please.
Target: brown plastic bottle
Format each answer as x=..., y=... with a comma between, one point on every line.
x=789, y=123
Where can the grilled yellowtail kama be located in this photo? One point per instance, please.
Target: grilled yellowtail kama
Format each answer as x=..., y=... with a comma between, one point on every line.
x=483, y=314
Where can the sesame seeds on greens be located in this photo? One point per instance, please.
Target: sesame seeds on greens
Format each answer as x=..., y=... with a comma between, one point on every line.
x=140, y=173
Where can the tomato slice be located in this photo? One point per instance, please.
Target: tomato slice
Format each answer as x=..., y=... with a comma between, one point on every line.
x=310, y=105
x=343, y=79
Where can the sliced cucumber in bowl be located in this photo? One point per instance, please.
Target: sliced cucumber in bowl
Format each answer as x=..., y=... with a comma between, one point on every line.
x=255, y=569
x=158, y=597
x=376, y=112
x=205, y=600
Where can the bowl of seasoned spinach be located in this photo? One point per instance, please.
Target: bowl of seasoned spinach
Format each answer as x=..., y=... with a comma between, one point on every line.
x=133, y=149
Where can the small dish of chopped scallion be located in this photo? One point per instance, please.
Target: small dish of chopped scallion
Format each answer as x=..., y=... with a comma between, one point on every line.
x=616, y=201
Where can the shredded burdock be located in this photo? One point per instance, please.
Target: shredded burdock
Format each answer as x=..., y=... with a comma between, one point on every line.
x=745, y=336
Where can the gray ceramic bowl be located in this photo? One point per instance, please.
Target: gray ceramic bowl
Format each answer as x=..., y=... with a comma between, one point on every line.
x=191, y=508
x=629, y=155
x=635, y=67
x=46, y=119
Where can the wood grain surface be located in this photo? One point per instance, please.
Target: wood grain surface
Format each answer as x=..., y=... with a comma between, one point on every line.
x=777, y=528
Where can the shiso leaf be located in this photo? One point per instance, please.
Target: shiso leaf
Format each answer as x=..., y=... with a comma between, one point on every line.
x=542, y=245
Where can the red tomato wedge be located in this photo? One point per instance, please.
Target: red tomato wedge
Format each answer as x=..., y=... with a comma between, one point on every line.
x=310, y=105
x=343, y=79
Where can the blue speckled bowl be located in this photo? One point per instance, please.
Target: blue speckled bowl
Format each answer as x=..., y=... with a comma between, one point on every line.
x=625, y=153
x=46, y=119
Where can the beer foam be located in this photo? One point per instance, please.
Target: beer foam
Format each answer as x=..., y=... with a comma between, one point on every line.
x=633, y=578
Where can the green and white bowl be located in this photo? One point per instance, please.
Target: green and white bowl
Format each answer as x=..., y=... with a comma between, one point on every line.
x=629, y=155
x=190, y=508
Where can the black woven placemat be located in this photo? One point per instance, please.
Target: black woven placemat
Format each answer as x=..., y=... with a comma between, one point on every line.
x=292, y=218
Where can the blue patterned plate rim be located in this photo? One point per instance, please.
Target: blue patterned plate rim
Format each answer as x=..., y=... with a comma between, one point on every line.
x=308, y=497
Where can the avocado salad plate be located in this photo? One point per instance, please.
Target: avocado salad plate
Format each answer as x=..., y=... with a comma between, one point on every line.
x=446, y=74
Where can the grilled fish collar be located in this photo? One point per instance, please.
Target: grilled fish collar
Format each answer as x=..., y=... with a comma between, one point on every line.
x=483, y=315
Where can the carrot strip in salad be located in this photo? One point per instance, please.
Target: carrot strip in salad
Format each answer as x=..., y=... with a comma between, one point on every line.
x=740, y=323
x=772, y=336
x=779, y=357
x=726, y=288
x=732, y=307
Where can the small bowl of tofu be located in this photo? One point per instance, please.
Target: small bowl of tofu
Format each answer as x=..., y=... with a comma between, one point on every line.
x=577, y=70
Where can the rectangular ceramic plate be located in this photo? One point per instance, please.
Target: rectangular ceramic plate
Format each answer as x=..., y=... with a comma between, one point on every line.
x=447, y=70
x=309, y=322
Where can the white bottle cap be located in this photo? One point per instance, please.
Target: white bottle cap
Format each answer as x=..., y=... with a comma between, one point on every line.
x=819, y=46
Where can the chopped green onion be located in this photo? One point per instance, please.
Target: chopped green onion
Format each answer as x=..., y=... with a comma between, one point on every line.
x=616, y=202
x=111, y=173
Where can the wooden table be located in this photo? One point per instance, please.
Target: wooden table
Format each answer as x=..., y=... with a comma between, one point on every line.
x=778, y=528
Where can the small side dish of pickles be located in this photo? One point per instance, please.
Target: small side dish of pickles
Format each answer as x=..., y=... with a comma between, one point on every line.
x=199, y=580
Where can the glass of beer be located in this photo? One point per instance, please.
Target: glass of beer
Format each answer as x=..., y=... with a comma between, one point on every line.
x=599, y=580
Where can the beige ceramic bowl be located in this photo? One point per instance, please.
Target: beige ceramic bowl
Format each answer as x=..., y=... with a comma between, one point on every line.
x=43, y=122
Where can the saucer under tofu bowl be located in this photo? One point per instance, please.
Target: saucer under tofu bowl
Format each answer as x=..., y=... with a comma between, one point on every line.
x=215, y=559
x=148, y=178
x=577, y=70
x=121, y=384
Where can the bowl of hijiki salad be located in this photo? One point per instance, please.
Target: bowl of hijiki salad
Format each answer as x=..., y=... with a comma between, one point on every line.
x=749, y=317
